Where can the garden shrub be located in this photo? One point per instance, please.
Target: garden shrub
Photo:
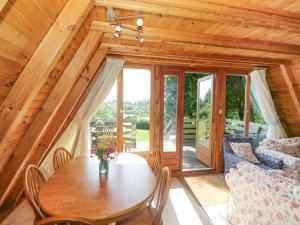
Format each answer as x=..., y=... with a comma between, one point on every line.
x=143, y=123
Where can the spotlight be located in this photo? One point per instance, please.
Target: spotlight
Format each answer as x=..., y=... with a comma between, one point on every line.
x=118, y=28
x=140, y=38
x=117, y=34
x=139, y=22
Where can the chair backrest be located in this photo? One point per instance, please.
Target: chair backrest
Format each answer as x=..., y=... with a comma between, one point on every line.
x=162, y=193
x=155, y=161
x=33, y=181
x=60, y=157
x=66, y=220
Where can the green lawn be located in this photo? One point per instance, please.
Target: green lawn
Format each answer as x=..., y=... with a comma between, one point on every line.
x=142, y=135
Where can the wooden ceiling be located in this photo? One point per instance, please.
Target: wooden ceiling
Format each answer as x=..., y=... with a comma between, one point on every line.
x=205, y=29
x=40, y=39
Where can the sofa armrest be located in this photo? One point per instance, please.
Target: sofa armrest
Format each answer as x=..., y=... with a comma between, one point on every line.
x=230, y=178
x=269, y=161
x=231, y=160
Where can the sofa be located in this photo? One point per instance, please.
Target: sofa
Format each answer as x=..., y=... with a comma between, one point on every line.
x=231, y=160
x=264, y=197
x=281, y=149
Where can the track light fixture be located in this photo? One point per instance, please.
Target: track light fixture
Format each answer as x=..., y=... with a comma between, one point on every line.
x=139, y=22
x=140, y=38
x=115, y=21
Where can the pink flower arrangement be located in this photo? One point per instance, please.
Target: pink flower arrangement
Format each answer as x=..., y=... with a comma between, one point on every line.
x=104, y=152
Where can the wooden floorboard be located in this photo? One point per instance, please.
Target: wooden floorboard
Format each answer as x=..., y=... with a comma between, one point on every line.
x=22, y=214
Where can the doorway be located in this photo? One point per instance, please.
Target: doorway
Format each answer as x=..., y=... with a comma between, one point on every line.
x=187, y=102
x=198, y=98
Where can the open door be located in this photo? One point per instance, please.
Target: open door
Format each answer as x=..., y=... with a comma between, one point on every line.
x=204, y=120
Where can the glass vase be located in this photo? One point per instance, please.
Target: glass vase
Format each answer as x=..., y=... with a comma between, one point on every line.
x=103, y=166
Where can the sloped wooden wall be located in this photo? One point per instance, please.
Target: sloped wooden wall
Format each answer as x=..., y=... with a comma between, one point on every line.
x=286, y=107
x=20, y=37
x=23, y=26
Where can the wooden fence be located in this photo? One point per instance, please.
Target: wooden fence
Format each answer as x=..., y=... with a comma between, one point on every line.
x=232, y=127
x=108, y=130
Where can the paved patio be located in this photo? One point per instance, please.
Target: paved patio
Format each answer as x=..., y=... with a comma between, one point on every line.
x=190, y=162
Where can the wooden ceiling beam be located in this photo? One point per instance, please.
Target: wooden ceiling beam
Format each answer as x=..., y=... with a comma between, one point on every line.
x=220, y=12
x=289, y=79
x=181, y=60
x=34, y=75
x=146, y=59
x=112, y=44
x=17, y=164
x=182, y=37
x=3, y=4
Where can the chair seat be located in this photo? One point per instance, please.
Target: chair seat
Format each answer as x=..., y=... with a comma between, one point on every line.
x=144, y=217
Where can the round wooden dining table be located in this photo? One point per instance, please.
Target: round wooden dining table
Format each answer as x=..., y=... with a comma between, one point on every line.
x=77, y=189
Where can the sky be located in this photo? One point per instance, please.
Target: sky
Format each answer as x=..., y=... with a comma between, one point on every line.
x=204, y=87
x=136, y=84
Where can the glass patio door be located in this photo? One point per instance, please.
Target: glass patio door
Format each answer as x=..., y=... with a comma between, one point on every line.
x=172, y=104
x=136, y=109
x=204, y=151
x=124, y=118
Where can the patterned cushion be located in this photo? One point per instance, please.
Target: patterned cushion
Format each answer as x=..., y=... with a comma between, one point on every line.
x=279, y=173
x=272, y=145
x=290, y=164
x=289, y=146
x=293, y=140
x=244, y=150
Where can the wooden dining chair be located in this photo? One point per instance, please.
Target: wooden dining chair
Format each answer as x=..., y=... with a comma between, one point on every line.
x=155, y=161
x=60, y=157
x=151, y=215
x=66, y=220
x=34, y=179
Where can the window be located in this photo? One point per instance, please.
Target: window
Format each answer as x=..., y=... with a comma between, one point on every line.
x=235, y=105
x=136, y=109
x=170, y=112
x=103, y=125
x=257, y=127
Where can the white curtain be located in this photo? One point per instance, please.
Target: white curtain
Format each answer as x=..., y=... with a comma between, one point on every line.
x=93, y=101
x=259, y=79
x=76, y=136
x=67, y=141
